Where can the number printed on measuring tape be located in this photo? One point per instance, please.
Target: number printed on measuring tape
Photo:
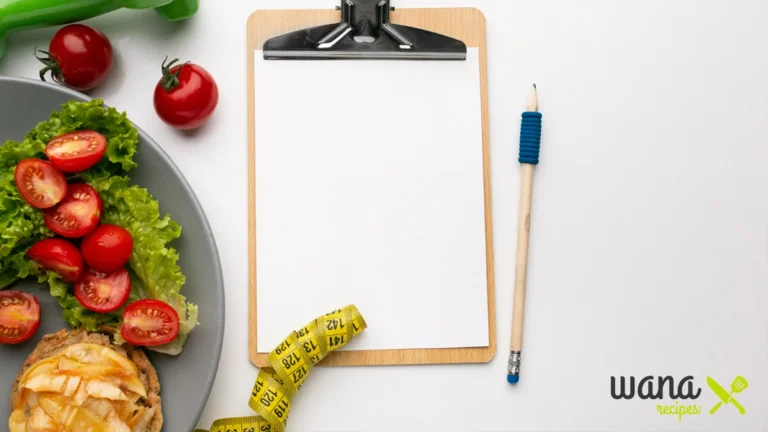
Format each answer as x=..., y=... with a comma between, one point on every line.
x=292, y=366
x=309, y=338
x=258, y=388
x=335, y=329
x=292, y=361
x=283, y=346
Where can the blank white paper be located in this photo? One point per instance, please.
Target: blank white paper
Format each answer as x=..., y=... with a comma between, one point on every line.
x=369, y=191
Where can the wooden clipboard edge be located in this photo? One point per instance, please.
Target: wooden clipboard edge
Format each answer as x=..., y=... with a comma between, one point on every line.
x=466, y=24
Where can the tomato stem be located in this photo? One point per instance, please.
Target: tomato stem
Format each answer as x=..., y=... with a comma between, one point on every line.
x=50, y=65
x=170, y=79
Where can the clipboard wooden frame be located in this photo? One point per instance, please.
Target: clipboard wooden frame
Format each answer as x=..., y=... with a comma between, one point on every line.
x=465, y=24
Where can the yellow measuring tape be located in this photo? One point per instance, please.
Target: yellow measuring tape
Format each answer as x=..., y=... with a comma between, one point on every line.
x=291, y=362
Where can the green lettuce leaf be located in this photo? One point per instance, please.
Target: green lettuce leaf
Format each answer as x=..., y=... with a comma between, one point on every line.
x=20, y=224
x=78, y=316
x=120, y=133
x=13, y=152
x=73, y=312
x=16, y=266
x=154, y=262
x=154, y=268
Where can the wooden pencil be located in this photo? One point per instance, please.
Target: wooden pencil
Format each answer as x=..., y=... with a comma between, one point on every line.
x=523, y=232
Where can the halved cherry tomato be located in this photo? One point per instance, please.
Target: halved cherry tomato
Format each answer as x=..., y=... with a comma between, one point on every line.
x=58, y=255
x=103, y=292
x=19, y=316
x=77, y=214
x=149, y=322
x=107, y=248
x=40, y=183
x=76, y=151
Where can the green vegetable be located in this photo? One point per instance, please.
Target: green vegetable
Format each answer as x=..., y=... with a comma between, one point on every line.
x=73, y=312
x=18, y=15
x=20, y=224
x=155, y=272
x=121, y=135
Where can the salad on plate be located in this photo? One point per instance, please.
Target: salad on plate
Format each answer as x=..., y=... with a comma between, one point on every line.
x=70, y=217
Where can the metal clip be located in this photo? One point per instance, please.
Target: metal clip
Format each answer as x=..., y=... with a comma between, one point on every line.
x=365, y=32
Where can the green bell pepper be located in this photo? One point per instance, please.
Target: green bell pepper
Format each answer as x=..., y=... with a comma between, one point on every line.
x=18, y=15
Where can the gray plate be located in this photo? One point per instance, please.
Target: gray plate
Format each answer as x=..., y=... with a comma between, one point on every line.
x=186, y=379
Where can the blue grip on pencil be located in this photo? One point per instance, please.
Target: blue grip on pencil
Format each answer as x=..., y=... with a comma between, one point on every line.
x=530, y=138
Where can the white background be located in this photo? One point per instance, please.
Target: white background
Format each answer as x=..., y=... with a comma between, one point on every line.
x=649, y=249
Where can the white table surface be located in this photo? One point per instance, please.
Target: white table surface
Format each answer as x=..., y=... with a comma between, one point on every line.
x=621, y=73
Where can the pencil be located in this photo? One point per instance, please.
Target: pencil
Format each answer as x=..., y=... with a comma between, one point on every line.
x=530, y=137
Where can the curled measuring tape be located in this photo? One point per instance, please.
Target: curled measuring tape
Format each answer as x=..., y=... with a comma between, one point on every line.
x=291, y=363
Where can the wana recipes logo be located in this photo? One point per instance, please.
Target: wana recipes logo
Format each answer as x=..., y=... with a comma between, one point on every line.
x=663, y=388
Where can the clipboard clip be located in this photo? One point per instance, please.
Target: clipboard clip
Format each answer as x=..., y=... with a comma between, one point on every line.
x=365, y=32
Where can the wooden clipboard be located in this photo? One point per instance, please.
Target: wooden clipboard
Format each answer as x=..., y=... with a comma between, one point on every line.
x=465, y=24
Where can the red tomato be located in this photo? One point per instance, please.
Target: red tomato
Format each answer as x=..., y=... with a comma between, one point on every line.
x=40, y=183
x=58, y=255
x=186, y=95
x=107, y=248
x=103, y=292
x=77, y=214
x=79, y=57
x=76, y=151
x=19, y=316
x=149, y=323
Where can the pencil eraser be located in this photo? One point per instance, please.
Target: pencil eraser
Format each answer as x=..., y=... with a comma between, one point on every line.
x=513, y=379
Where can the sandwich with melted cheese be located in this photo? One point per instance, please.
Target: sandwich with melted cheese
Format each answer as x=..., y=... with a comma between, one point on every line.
x=76, y=382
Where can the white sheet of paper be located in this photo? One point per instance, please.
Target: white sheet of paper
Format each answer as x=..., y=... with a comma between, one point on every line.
x=369, y=191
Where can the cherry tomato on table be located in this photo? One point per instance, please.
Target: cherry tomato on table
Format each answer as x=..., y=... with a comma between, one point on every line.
x=78, y=56
x=19, y=316
x=107, y=248
x=40, y=183
x=149, y=322
x=76, y=151
x=103, y=292
x=58, y=255
x=186, y=95
x=77, y=214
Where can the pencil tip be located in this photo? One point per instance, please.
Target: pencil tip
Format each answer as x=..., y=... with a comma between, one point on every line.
x=533, y=100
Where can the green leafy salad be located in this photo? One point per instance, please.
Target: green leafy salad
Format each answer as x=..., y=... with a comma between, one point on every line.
x=153, y=264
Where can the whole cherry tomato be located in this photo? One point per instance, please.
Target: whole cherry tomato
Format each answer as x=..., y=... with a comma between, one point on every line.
x=186, y=95
x=107, y=248
x=78, y=56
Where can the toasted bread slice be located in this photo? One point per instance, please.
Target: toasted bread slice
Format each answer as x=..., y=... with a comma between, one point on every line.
x=53, y=344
